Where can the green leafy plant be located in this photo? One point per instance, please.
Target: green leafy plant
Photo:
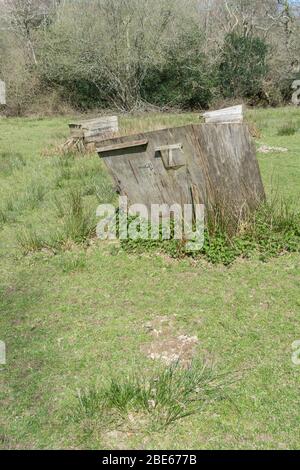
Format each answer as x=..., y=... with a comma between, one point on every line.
x=243, y=66
x=273, y=229
x=185, y=79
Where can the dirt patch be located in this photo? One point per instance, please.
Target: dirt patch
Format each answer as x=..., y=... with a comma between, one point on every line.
x=167, y=345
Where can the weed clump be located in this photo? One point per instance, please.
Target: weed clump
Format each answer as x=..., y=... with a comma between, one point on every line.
x=29, y=240
x=273, y=229
x=78, y=221
x=163, y=398
x=76, y=225
x=287, y=130
x=11, y=161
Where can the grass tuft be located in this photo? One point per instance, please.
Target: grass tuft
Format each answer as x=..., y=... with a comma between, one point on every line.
x=34, y=195
x=287, y=130
x=78, y=221
x=164, y=398
x=72, y=262
x=11, y=161
x=63, y=165
x=29, y=241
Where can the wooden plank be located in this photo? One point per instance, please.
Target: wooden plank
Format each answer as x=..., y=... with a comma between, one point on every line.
x=98, y=138
x=101, y=122
x=233, y=114
x=98, y=130
x=2, y=93
x=121, y=146
x=169, y=147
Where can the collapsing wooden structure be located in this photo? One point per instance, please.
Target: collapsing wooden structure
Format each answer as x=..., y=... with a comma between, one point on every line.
x=210, y=164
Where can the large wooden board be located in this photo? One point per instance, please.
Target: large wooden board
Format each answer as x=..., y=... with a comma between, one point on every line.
x=212, y=164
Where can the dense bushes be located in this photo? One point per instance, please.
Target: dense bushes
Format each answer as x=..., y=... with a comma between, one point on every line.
x=243, y=67
x=127, y=54
x=185, y=79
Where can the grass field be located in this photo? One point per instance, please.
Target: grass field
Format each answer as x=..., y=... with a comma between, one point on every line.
x=75, y=318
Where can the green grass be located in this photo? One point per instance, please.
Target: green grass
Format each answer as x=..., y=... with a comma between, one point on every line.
x=287, y=129
x=9, y=162
x=75, y=314
x=272, y=230
x=162, y=399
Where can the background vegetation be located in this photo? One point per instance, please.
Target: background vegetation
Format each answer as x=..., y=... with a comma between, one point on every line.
x=130, y=54
x=79, y=372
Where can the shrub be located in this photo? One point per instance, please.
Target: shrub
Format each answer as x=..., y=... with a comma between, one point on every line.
x=243, y=66
x=185, y=78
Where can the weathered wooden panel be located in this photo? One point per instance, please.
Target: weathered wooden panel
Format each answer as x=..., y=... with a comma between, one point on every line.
x=2, y=93
x=95, y=130
x=205, y=164
x=121, y=146
x=225, y=115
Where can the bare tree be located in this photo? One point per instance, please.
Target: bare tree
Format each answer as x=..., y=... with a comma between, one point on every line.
x=24, y=17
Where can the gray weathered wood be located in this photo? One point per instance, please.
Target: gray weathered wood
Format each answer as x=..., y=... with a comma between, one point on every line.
x=122, y=146
x=214, y=165
x=2, y=93
x=226, y=115
x=95, y=130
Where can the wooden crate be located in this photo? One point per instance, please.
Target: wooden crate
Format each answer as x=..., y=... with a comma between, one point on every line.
x=94, y=130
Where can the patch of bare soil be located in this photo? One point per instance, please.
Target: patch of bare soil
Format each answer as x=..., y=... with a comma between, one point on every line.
x=169, y=345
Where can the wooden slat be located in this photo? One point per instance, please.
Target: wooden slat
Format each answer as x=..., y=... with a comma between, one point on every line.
x=99, y=130
x=234, y=114
x=168, y=147
x=2, y=93
x=121, y=146
x=97, y=123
